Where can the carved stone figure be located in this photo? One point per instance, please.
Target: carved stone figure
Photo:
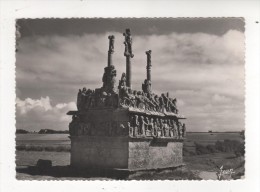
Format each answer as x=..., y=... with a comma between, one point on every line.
x=155, y=128
x=111, y=43
x=128, y=43
x=175, y=129
x=172, y=107
x=148, y=53
x=109, y=79
x=136, y=125
x=148, y=131
x=110, y=50
x=174, y=101
x=139, y=100
x=171, y=128
x=126, y=97
x=165, y=129
x=157, y=102
x=161, y=128
x=146, y=86
x=165, y=101
x=122, y=82
x=130, y=129
x=79, y=100
x=151, y=127
x=162, y=104
x=142, y=126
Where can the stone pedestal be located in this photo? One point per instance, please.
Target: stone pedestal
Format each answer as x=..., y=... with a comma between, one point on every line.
x=125, y=153
x=153, y=154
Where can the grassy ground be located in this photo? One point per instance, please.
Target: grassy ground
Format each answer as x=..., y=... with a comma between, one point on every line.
x=30, y=158
x=197, y=167
x=56, y=148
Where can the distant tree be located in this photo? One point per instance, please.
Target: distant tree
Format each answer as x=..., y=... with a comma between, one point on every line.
x=51, y=131
x=21, y=131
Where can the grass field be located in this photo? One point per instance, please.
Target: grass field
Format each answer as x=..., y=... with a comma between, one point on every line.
x=61, y=142
x=55, y=147
x=205, y=138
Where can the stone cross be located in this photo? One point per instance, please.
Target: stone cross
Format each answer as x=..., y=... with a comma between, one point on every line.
x=128, y=54
x=149, y=64
x=110, y=49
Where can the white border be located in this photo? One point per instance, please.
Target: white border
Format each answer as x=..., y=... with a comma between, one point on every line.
x=10, y=10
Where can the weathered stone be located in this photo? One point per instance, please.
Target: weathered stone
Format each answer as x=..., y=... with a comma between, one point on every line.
x=104, y=152
x=117, y=127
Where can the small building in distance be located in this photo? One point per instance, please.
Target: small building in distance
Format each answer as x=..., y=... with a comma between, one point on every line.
x=116, y=127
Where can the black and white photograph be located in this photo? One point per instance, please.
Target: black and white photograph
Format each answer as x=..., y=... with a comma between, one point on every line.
x=130, y=99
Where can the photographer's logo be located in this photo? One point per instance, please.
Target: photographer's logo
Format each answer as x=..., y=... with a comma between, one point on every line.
x=225, y=173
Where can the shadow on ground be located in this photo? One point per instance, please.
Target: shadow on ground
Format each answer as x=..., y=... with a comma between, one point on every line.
x=63, y=172
x=68, y=172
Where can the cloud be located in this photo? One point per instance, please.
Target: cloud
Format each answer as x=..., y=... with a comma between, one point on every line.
x=221, y=99
x=205, y=72
x=41, y=114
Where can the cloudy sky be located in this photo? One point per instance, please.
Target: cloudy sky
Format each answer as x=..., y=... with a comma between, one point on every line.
x=198, y=61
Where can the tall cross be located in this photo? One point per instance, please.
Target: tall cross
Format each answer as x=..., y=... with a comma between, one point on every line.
x=110, y=49
x=128, y=54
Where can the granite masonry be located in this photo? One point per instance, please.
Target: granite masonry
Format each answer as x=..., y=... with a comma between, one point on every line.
x=116, y=127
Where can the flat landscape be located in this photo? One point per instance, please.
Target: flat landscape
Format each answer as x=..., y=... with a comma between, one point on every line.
x=202, y=156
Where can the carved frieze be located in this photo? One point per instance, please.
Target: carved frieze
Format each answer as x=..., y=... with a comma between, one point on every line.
x=137, y=126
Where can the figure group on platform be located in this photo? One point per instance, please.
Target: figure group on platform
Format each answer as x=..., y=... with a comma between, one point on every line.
x=95, y=99
x=148, y=101
x=154, y=126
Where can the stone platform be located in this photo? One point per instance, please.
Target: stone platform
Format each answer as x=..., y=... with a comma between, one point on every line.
x=125, y=153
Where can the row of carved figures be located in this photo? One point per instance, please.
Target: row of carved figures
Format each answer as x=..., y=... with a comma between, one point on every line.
x=138, y=126
x=156, y=127
x=92, y=99
x=126, y=97
x=149, y=101
x=93, y=128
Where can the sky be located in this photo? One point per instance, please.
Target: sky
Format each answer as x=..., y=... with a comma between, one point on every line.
x=198, y=61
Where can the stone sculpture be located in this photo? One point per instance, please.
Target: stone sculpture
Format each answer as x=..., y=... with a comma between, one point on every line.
x=111, y=43
x=118, y=113
x=128, y=43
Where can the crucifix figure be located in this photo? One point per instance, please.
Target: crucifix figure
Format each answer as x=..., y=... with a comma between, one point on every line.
x=128, y=54
x=128, y=43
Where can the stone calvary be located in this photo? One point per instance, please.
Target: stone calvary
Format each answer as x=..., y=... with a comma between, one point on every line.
x=116, y=127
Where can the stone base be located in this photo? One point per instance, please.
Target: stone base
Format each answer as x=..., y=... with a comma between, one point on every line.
x=124, y=153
